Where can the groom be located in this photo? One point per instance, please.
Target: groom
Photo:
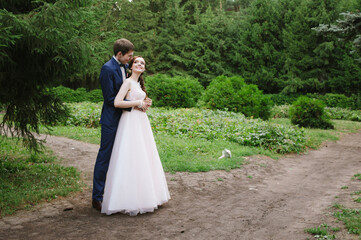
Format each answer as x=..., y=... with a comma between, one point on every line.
x=112, y=75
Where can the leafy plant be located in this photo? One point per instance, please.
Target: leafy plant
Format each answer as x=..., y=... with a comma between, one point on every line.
x=307, y=112
x=222, y=125
x=69, y=95
x=84, y=114
x=321, y=232
x=174, y=92
x=232, y=93
x=350, y=217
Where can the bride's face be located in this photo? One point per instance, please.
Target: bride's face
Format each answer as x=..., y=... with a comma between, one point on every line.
x=138, y=65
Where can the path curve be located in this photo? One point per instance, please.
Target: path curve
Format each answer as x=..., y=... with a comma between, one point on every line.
x=280, y=200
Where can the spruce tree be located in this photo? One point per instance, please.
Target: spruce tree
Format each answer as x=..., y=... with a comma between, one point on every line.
x=39, y=49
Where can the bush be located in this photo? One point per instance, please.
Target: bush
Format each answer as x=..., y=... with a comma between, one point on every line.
x=233, y=94
x=64, y=93
x=336, y=100
x=281, y=99
x=334, y=113
x=280, y=111
x=330, y=99
x=84, y=114
x=307, y=112
x=356, y=101
x=175, y=92
x=69, y=95
x=344, y=114
x=95, y=96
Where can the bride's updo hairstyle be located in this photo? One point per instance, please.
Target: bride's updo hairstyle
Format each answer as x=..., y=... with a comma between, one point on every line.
x=141, y=78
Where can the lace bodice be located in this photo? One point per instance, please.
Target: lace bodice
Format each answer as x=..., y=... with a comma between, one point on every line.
x=135, y=92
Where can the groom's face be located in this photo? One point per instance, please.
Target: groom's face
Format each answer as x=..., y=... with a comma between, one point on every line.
x=126, y=57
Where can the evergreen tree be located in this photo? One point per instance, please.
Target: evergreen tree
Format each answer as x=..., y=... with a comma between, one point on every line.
x=309, y=58
x=262, y=45
x=38, y=50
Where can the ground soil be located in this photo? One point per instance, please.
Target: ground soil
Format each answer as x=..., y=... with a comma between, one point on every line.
x=265, y=199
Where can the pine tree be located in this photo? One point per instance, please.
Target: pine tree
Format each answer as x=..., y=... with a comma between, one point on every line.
x=40, y=48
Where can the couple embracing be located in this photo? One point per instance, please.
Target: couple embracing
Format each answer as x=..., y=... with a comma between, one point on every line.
x=128, y=175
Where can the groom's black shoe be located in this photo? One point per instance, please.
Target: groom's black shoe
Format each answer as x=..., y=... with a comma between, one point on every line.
x=97, y=205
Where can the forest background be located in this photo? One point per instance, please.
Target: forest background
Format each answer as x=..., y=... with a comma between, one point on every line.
x=268, y=43
x=272, y=44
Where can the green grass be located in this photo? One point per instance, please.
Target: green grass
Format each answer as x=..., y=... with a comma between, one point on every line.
x=315, y=137
x=357, y=176
x=321, y=232
x=182, y=153
x=178, y=153
x=350, y=217
x=28, y=178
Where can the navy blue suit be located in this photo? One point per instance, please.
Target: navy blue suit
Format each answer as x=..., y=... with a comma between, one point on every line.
x=111, y=80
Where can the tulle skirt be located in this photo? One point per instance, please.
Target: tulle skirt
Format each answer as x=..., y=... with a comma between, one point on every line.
x=135, y=180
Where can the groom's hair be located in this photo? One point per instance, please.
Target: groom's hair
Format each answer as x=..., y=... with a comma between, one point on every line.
x=122, y=45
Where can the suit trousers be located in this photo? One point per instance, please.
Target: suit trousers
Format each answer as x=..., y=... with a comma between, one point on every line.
x=102, y=162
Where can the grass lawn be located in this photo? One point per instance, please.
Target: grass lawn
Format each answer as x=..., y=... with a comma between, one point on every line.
x=27, y=178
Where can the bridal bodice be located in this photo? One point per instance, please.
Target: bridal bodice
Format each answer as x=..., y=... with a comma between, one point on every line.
x=135, y=92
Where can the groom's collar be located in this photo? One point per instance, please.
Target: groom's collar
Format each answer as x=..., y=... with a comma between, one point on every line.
x=121, y=64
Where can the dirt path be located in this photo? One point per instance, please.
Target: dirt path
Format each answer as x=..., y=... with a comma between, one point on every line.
x=280, y=200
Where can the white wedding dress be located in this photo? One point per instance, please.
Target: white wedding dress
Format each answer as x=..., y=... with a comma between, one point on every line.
x=135, y=180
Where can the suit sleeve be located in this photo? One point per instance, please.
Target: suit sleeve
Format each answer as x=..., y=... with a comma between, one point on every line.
x=107, y=82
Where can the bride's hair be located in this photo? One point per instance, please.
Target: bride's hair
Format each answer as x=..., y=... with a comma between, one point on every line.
x=141, y=78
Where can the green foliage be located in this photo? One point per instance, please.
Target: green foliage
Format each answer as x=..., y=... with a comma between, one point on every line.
x=351, y=218
x=330, y=99
x=28, y=178
x=321, y=232
x=38, y=49
x=344, y=114
x=336, y=100
x=205, y=124
x=69, y=95
x=307, y=112
x=233, y=127
x=95, y=96
x=282, y=99
x=83, y=114
x=234, y=94
x=334, y=113
x=348, y=25
x=175, y=92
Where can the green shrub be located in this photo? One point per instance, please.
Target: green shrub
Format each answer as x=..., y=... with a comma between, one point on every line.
x=80, y=95
x=84, y=114
x=64, y=93
x=334, y=113
x=344, y=114
x=356, y=101
x=174, y=92
x=233, y=94
x=280, y=111
x=281, y=99
x=336, y=100
x=69, y=95
x=308, y=112
x=95, y=96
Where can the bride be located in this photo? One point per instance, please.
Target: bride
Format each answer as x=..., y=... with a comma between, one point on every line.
x=135, y=181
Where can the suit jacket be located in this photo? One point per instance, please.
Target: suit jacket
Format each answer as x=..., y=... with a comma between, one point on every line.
x=111, y=80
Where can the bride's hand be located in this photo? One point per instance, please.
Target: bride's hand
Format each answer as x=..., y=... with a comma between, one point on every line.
x=146, y=104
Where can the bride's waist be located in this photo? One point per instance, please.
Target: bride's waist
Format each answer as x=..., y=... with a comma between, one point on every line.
x=133, y=110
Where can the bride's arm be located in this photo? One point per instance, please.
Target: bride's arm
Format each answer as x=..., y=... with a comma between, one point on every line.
x=119, y=99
